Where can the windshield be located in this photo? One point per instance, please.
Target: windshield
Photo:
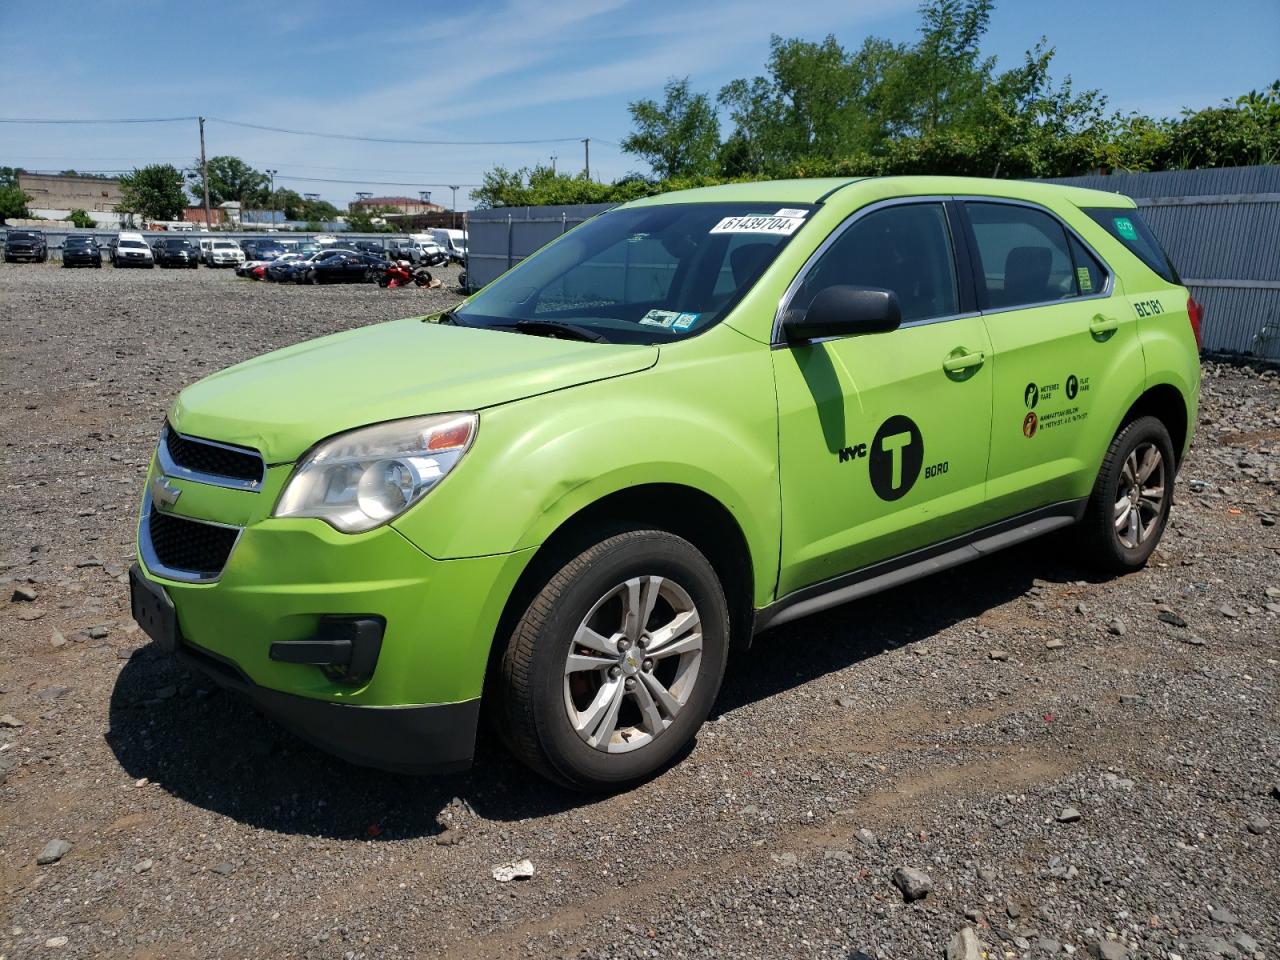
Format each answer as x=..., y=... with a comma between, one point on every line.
x=641, y=275
x=132, y=243
x=224, y=245
x=177, y=244
x=78, y=241
x=19, y=235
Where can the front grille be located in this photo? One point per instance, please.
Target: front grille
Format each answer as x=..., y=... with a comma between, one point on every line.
x=207, y=459
x=189, y=546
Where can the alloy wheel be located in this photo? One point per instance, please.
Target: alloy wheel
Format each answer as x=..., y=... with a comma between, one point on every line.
x=1140, y=495
x=633, y=664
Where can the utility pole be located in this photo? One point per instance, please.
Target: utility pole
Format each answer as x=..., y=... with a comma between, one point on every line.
x=271, y=197
x=453, y=207
x=554, y=158
x=204, y=175
x=586, y=146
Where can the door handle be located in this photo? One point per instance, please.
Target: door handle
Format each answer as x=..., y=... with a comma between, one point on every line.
x=964, y=361
x=1100, y=324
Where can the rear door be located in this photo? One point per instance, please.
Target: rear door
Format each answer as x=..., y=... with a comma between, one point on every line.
x=883, y=437
x=1066, y=354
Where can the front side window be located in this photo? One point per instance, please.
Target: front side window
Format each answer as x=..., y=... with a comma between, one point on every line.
x=905, y=248
x=1023, y=257
x=640, y=275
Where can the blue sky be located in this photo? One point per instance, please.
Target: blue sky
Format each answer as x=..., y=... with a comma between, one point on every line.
x=513, y=70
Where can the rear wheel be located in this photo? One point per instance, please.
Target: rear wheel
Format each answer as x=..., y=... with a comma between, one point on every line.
x=1131, y=498
x=616, y=662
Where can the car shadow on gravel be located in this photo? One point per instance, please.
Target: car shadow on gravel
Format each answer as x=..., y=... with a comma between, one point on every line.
x=210, y=748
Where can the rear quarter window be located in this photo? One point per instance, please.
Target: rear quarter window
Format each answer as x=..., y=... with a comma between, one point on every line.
x=1131, y=230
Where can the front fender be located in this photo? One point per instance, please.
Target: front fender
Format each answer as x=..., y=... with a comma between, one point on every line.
x=705, y=417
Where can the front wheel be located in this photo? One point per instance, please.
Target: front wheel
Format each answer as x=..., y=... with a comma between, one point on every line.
x=1131, y=498
x=616, y=662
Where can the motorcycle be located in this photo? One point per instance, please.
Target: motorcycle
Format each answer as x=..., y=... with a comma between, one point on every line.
x=401, y=273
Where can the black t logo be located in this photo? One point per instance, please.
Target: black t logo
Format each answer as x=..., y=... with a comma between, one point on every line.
x=1073, y=387
x=1031, y=395
x=897, y=454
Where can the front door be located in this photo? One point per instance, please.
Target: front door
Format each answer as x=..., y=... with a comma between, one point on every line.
x=883, y=437
x=1066, y=355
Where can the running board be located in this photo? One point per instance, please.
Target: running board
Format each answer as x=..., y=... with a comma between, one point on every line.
x=919, y=563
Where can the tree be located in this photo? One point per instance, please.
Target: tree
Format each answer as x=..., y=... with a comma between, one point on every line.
x=230, y=178
x=297, y=207
x=360, y=219
x=81, y=219
x=13, y=200
x=680, y=137
x=154, y=192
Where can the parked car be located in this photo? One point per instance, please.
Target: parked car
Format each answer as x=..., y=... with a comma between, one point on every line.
x=347, y=266
x=25, y=245
x=370, y=246
x=81, y=250
x=262, y=249
x=131, y=250
x=453, y=242
x=692, y=418
x=417, y=249
x=177, y=252
x=221, y=253
x=284, y=270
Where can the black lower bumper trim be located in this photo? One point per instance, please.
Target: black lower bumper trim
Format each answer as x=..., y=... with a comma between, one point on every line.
x=437, y=738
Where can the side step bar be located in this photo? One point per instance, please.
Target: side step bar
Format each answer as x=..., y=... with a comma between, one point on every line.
x=918, y=563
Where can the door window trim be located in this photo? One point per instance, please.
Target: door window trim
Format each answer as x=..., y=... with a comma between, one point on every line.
x=980, y=280
x=958, y=244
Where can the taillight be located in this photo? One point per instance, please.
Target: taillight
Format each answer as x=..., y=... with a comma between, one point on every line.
x=1195, y=313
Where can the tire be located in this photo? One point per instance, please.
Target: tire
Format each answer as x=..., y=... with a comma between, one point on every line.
x=98, y=265
x=1124, y=521
x=537, y=693
x=384, y=281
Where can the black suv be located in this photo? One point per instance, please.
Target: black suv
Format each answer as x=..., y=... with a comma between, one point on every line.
x=177, y=252
x=25, y=245
x=81, y=250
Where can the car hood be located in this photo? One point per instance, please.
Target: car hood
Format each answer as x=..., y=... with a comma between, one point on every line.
x=284, y=402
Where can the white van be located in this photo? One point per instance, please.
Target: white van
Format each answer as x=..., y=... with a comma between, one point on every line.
x=220, y=253
x=454, y=243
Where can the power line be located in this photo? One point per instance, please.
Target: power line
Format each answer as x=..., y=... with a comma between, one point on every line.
x=422, y=143
x=98, y=120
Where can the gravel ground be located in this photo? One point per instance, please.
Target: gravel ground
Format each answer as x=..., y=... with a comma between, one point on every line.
x=1076, y=765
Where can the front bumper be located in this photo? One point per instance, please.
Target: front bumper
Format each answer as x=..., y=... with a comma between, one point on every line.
x=284, y=577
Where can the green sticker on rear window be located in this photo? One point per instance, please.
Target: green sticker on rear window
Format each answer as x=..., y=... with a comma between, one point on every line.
x=1086, y=281
x=1124, y=227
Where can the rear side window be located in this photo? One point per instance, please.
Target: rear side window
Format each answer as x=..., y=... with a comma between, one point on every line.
x=905, y=248
x=1023, y=256
x=1091, y=276
x=1131, y=230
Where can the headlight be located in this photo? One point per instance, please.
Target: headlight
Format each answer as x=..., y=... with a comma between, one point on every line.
x=361, y=479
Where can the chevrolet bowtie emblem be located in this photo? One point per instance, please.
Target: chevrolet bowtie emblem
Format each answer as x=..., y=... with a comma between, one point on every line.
x=164, y=493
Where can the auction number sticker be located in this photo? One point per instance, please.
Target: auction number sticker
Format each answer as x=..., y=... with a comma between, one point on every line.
x=779, y=225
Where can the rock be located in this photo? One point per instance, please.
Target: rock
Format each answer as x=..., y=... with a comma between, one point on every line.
x=1048, y=946
x=97, y=633
x=1165, y=615
x=1223, y=915
x=1213, y=945
x=1245, y=943
x=1055, y=644
x=142, y=866
x=10, y=721
x=52, y=693
x=1258, y=825
x=1193, y=640
x=53, y=851
x=224, y=868
x=56, y=639
x=56, y=943
x=987, y=874
x=845, y=702
x=1012, y=909
x=1068, y=815
x=31, y=613
x=1082, y=609
x=519, y=870
x=1132, y=699
x=999, y=655
x=1267, y=520
x=1230, y=612
x=447, y=838
x=867, y=838
x=914, y=884
x=964, y=945
x=1116, y=628
x=1108, y=950
x=24, y=595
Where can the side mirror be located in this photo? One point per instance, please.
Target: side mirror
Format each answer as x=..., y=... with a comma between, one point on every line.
x=845, y=311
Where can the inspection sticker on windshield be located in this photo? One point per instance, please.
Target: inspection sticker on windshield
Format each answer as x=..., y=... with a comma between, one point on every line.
x=792, y=212
x=783, y=226
x=660, y=318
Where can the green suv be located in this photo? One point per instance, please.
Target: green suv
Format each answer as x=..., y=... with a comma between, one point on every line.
x=690, y=419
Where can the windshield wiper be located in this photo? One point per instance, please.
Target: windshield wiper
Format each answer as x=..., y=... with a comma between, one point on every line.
x=537, y=327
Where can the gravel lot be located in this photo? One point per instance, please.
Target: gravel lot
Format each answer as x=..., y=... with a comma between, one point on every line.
x=1079, y=766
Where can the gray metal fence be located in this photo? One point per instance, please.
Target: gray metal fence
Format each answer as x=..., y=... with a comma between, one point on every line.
x=1222, y=230
x=499, y=239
